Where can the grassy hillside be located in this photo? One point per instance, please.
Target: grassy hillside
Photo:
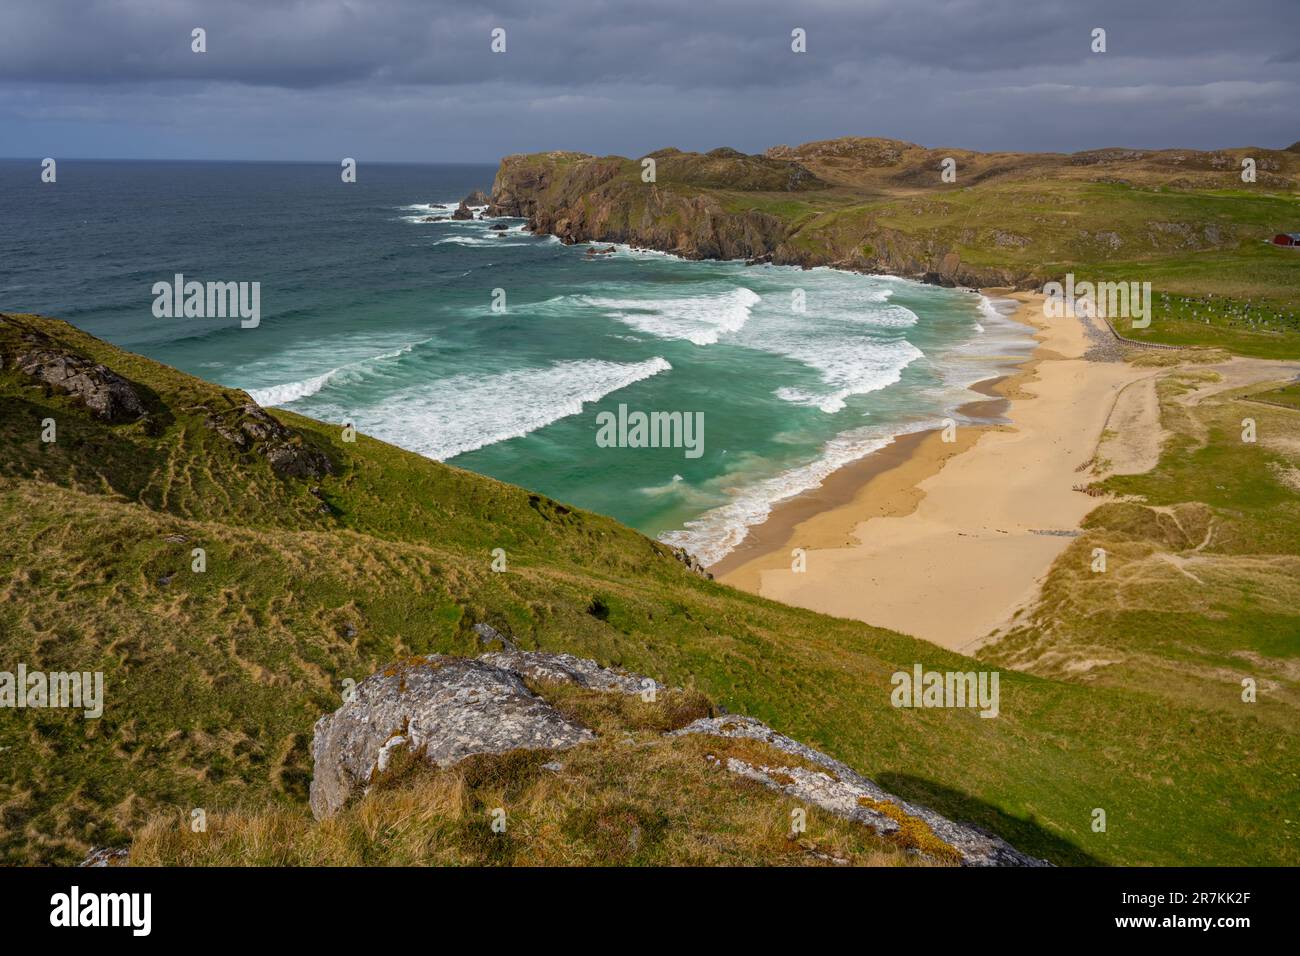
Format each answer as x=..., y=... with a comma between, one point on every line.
x=1180, y=219
x=214, y=679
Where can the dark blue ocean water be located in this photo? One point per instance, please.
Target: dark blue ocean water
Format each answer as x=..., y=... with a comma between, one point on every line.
x=370, y=315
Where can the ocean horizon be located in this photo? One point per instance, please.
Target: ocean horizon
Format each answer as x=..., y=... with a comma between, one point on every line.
x=496, y=350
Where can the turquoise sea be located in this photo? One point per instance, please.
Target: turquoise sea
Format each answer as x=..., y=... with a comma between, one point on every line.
x=370, y=314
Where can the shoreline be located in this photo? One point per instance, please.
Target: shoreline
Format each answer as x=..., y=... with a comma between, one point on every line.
x=892, y=471
x=948, y=541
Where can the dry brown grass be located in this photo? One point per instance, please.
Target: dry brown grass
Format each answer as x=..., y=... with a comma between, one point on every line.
x=1168, y=358
x=633, y=797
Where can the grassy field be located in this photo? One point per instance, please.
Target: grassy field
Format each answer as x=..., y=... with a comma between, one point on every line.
x=214, y=679
x=1287, y=396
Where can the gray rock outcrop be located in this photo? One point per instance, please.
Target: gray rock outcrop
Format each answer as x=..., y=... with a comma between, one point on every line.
x=489, y=635
x=445, y=709
x=250, y=427
x=107, y=395
x=840, y=790
x=692, y=563
x=567, y=669
x=107, y=856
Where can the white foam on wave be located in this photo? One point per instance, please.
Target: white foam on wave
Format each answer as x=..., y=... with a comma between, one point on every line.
x=849, y=334
x=854, y=287
x=623, y=250
x=887, y=317
x=479, y=241
x=274, y=395
x=419, y=210
x=848, y=366
x=292, y=391
x=679, y=488
x=999, y=344
x=718, y=531
x=700, y=319
x=991, y=312
x=466, y=412
x=416, y=212
x=995, y=348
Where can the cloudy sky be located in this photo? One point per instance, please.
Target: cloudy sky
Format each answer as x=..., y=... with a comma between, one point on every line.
x=399, y=80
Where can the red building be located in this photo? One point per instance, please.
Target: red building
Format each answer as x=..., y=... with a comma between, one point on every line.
x=1287, y=239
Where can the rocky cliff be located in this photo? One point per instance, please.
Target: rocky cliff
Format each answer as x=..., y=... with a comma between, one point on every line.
x=580, y=198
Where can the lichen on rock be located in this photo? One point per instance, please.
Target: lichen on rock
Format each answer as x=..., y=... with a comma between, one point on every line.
x=838, y=789
x=444, y=709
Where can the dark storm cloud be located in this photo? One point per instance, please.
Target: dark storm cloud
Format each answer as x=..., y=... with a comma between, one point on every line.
x=627, y=76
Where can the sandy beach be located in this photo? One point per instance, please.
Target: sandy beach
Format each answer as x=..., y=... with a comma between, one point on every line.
x=946, y=540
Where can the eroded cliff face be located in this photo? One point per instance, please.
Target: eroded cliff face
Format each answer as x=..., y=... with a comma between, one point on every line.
x=583, y=198
x=872, y=247
x=696, y=209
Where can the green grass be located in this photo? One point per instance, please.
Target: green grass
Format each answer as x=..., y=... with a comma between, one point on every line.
x=1287, y=395
x=1214, y=279
x=214, y=680
x=793, y=211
